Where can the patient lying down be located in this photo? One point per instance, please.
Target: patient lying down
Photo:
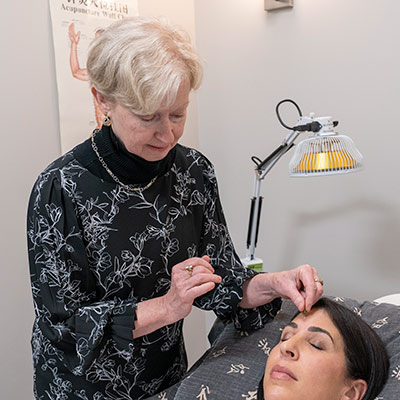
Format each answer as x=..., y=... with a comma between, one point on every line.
x=329, y=353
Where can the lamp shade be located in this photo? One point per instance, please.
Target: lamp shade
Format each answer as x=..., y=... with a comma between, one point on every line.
x=325, y=155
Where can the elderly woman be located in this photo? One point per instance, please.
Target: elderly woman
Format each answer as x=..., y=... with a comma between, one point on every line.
x=126, y=233
x=327, y=354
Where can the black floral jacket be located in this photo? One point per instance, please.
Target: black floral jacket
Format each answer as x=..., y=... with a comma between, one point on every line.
x=96, y=250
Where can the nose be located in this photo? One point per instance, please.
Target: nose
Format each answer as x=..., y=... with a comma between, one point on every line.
x=165, y=130
x=289, y=349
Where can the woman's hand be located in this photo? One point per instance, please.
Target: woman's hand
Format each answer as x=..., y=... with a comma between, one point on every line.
x=300, y=284
x=186, y=286
x=155, y=313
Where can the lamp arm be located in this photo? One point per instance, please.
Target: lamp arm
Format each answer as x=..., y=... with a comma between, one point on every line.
x=261, y=170
x=273, y=158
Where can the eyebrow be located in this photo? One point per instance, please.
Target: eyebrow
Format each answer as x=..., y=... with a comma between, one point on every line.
x=312, y=329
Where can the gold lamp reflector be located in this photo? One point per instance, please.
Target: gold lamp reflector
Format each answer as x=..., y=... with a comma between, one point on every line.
x=324, y=155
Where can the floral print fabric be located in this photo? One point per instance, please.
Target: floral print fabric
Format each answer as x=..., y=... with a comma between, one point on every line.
x=96, y=250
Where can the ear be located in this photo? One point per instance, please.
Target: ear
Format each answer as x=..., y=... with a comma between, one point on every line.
x=355, y=390
x=104, y=105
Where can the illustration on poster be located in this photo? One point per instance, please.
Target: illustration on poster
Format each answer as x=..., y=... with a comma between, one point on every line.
x=81, y=73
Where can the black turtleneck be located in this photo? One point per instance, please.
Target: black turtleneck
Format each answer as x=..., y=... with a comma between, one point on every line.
x=128, y=167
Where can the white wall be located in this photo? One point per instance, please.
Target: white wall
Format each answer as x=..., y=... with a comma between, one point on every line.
x=338, y=58
x=29, y=142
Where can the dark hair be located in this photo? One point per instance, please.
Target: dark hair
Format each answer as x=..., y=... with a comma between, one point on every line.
x=365, y=353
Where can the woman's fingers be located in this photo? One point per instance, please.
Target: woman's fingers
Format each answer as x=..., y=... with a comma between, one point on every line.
x=195, y=270
x=199, y=285
x=199, y=290
x=190, y=279
x=301, y=285
x=200, y=278
x=312, y=287
x=206, y=258
x=307, y=285
x=196, y=261
x=194, y=276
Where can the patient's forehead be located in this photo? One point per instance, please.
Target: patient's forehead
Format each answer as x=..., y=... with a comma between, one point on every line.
x=316, y=317
x=316, y=314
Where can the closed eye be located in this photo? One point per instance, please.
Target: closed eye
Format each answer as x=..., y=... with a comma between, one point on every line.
x=316, y=346
x=148, y=118
x=285, y=338
x=177, y=116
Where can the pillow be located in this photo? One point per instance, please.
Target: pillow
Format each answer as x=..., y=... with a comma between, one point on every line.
x=234, y=365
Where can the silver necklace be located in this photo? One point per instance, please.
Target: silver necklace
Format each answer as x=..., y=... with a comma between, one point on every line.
x=115, y=178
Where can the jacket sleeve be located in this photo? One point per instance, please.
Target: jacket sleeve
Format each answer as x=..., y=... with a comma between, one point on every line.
x=217, y=244
x=73, y=323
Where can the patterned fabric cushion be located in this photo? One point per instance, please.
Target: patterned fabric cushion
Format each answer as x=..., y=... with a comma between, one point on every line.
x=232, y=368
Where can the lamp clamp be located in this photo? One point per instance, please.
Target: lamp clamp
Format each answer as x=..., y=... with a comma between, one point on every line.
x=318, y=125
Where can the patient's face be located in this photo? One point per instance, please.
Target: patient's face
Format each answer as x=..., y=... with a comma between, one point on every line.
x=309, y=361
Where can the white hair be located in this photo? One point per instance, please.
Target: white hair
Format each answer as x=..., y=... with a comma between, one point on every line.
x=141, y=62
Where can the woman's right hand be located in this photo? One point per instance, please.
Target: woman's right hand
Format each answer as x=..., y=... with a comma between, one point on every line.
x=186, y=286
x=155, y=313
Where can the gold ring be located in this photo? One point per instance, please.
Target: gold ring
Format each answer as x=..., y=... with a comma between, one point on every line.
x=189, y=269
x=317, y=280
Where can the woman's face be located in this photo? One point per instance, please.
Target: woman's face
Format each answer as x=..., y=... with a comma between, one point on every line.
x=151, y=136
x=308, y=362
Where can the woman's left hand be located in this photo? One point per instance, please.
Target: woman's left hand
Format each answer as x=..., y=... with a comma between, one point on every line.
x=300, y=284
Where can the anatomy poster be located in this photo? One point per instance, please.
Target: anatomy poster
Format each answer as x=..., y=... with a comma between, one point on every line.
x=75, y=24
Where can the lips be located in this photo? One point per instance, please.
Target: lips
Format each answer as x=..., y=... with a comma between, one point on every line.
x=159, y=148
x=282, y=373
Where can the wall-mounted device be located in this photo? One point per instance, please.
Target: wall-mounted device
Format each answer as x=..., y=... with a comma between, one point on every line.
x=270, y=5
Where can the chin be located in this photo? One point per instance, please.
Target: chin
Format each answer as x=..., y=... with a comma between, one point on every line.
x=278, y=392
x=156, y=154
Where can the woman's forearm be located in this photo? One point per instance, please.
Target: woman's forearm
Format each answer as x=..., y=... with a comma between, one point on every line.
x=151, y=315
x=258, y=290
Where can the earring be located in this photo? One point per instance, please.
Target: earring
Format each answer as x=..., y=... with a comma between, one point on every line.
x=107, y=120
